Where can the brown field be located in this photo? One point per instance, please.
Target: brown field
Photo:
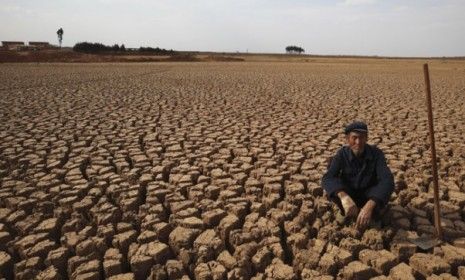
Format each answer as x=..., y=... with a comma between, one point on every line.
x=212, y=170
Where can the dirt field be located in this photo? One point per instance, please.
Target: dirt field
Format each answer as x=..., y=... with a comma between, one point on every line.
x=212, y=170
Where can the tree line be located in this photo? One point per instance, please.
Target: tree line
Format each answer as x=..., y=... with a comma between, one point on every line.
x=86, y=47
x=294, y=49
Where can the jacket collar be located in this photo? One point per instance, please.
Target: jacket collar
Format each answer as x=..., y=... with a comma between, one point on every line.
x=367, y=153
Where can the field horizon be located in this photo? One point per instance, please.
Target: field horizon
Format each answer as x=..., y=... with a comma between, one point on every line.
x=66, y=54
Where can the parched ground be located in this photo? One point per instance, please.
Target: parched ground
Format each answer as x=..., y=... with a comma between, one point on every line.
x=212, y=170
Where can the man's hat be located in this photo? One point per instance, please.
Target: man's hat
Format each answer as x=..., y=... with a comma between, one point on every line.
x=357, y=126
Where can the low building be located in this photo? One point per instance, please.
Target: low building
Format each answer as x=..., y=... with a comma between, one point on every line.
x=12, y=45
x=40, y=45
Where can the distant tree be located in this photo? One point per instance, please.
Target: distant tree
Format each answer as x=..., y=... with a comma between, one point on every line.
x=294, y=49
x=86, y=47
x=60, y=35
x=115, y=48
x=156, y=51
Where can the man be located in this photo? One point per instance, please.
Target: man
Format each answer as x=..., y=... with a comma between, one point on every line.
x=358, y=179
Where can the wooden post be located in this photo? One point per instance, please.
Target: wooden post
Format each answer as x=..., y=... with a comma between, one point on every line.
x=437, y=211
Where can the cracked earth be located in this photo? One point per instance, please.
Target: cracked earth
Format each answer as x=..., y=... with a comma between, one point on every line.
x=212, y=170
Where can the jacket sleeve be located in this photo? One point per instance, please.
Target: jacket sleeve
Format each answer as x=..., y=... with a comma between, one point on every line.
x=381, y=192
x=331, y=182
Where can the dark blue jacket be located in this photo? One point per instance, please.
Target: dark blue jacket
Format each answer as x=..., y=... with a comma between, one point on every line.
x=367, y=176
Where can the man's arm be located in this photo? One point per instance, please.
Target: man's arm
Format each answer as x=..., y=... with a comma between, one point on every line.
x=382, y=191
x=331, y=182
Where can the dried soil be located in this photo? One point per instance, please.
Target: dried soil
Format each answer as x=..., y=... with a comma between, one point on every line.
x=211, y=170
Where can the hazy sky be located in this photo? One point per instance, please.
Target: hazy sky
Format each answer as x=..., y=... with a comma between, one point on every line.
x=359, y=27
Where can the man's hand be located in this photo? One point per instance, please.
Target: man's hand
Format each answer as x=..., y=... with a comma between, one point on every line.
x=364, y=217
x=348, y=204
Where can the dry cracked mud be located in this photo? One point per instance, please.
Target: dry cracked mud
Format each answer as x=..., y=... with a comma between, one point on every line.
x=212, y=170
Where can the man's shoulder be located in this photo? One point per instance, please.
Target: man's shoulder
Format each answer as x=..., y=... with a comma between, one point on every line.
x=375, y=150
x=343, y=149
x=374, y=147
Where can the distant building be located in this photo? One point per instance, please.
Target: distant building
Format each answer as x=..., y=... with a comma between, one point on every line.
x=21, y=46
x=12, y=45
x=40, y=45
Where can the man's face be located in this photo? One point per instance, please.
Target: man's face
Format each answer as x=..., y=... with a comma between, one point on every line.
x=357, y=141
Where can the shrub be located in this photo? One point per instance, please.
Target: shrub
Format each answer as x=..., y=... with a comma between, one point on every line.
x=156, y=51
x=87, y=47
